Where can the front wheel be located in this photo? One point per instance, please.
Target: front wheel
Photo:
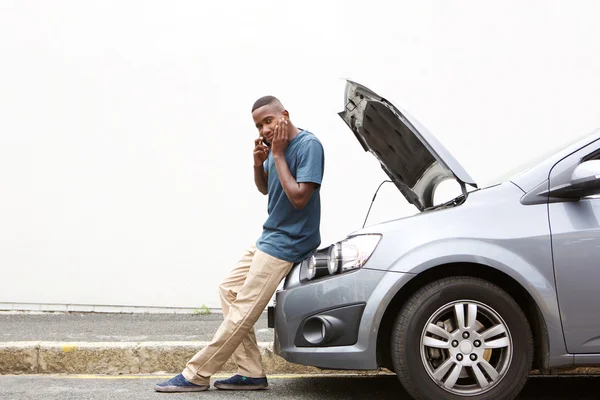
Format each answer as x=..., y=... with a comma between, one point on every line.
x=462, y=337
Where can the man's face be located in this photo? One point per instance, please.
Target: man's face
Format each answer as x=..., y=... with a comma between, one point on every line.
x=266, y=118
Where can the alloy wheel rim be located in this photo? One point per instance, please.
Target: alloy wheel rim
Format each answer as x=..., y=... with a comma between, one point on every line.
x=466, y=347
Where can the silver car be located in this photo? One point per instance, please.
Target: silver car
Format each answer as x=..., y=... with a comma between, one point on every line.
x=465, y=298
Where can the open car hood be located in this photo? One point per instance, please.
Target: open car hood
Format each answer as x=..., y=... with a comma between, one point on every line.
x=412, y=157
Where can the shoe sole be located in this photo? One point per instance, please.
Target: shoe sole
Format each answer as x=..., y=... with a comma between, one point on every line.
x=176, y=389
x=240, y=387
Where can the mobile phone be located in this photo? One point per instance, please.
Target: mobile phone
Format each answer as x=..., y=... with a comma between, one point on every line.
x=265, y=141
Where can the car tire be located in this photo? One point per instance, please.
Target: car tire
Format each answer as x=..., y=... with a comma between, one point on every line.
x=484, y=327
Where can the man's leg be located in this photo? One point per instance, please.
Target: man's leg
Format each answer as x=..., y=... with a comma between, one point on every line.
x=247, y=355
x=264, y=276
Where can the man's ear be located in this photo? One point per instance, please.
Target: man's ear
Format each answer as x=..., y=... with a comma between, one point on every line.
x=286, y=114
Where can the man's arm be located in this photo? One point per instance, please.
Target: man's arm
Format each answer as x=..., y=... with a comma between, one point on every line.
x=299, y=190
x=260, y=179
x=297, y=193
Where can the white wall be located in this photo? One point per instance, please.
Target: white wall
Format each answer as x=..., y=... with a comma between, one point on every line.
x=126, y=136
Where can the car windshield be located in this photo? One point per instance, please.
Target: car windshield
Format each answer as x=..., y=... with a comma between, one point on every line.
x=535, y=160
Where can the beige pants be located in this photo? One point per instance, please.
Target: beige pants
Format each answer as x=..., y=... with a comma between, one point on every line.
x=245, y=293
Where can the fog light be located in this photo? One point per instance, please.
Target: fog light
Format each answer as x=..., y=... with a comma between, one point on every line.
x=315, y=330
x=321, y=330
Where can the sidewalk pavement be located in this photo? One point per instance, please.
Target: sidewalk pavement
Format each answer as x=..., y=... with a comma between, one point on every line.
x=91, y=343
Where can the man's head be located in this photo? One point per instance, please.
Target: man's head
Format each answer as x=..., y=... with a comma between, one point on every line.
x=266, y=112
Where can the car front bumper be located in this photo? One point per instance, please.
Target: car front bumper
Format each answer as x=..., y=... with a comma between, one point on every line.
x=332, y=323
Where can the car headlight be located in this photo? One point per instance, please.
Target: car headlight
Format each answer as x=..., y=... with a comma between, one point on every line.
x=311, y=269
x=314, y=267
x=335, y=251
x=352, y=253
x=344, y=256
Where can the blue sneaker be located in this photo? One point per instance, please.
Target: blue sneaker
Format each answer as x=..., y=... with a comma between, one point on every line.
x=179, y=384
x=238, y=382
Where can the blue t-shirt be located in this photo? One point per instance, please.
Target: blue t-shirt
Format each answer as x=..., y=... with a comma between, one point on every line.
x=290, y=234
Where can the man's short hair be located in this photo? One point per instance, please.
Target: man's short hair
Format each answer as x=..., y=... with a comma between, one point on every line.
x=264, y=101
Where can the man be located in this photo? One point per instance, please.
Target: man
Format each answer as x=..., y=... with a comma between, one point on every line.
x=288, y=166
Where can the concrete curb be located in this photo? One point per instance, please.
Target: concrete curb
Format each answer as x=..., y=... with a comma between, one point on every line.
x=115, y=358
x=124, y=358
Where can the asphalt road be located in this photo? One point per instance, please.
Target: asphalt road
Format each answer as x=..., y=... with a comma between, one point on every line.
x=46, y=387
x=91, y=327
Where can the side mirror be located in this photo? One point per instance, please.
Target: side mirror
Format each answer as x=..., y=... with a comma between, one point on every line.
x=585, y=181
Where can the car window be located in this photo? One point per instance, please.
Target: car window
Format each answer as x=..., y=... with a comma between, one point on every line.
x=594, y=156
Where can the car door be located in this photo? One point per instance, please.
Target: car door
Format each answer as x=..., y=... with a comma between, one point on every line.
x=575, y=228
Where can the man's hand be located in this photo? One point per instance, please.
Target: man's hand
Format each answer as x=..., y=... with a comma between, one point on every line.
x=281, y=138
x=261, y=152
